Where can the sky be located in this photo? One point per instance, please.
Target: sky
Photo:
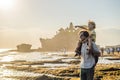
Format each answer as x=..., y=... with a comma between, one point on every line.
x=25, y=21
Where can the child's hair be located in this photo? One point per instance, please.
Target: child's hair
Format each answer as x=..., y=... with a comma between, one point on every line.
x=93, y=23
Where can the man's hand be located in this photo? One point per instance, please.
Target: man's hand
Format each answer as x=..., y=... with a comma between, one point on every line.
x=76, y=55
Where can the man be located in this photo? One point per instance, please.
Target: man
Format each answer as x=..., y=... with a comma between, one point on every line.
x=87, y=59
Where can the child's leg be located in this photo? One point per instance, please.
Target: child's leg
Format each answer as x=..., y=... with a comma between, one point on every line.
x=90, y=45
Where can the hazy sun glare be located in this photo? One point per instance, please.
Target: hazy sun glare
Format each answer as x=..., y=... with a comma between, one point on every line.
x=6, y=4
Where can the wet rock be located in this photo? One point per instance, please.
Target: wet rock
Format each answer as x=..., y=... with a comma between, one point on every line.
x=110, y=69
x=44, y=77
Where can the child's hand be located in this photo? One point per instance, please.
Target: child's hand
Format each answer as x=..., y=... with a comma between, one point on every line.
x=77, y=26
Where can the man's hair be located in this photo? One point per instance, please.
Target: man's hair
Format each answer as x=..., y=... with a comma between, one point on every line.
x=93, y=23
x=85, y=33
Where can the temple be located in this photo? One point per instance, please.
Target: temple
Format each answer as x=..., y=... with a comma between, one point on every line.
x=64, y=40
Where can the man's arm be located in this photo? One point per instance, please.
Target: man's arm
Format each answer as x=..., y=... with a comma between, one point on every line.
x=78, y=49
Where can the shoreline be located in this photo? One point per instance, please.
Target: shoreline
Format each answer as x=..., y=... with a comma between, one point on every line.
x=58, y=70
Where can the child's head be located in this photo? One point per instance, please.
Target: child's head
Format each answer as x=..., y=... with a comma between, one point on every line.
x=84, y=35
x=91, y=25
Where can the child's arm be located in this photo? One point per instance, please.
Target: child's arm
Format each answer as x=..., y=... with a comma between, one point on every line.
x=82, y=27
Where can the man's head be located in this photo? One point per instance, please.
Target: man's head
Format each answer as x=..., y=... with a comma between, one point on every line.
x=84, y=35
x=91, y=25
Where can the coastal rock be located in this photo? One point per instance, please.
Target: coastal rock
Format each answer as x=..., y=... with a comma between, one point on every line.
x=24, y=47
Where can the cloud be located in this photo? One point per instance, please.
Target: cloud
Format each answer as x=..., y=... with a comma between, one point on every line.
x=108, y=36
